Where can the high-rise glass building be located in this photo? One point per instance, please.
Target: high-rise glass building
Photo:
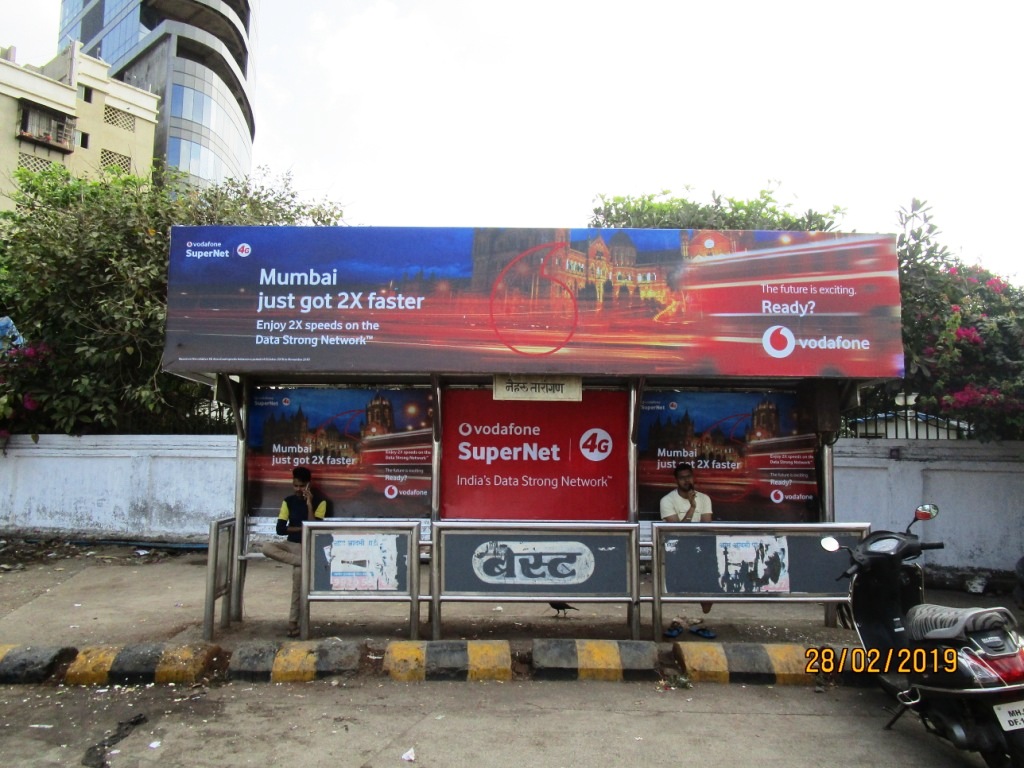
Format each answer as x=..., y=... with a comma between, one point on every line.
x=195, y=55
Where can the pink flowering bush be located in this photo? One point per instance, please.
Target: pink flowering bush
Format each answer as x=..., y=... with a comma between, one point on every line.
x=24, y=371
x=963, y=332
x=969, y=335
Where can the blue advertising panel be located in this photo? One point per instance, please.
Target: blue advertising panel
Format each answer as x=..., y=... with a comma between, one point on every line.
x=369, y=449
x=753, y=453
x=298, y=300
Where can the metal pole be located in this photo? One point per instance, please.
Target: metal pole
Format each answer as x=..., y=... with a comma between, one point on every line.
x=829, y=510
x=435, y=586
x=656, y=566
x=241, y=530
x=307, y=566
x=634, y=577
x=211, y=582
x=414, y=584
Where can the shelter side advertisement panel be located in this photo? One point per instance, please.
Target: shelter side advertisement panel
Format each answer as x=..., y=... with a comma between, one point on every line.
x=369, y=449
x=578, y=301
x=522, y=460
x=751, y=452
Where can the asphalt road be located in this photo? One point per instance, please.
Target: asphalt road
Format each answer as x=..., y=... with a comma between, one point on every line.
x=374, y=722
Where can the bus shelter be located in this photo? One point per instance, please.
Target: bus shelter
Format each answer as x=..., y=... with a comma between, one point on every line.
x=484, y=375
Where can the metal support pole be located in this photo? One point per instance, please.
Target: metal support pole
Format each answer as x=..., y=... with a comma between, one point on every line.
x=656, y=568
x=241, y=531
x=829, y=509
x=435, y=588
x=307, y=567
x=414, y=585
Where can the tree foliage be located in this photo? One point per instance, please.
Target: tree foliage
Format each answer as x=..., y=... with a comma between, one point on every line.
x=664, y=211
x=963, y=334
x=83, y=273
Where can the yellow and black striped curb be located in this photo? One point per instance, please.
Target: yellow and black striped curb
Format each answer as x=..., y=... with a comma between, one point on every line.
x=757, y=663
x=612, y=660
x=33, y=664
x=143, y=664
x=274, y=661
x=296, y=662
x=411, y=661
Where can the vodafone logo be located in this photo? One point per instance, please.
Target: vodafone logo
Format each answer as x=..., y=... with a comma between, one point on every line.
x=390, y=492
x=777, y=496
x=778, y=341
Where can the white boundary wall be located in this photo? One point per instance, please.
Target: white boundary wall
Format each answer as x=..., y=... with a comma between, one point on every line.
x=169, y=488
x=978, y=487
x=135, y=488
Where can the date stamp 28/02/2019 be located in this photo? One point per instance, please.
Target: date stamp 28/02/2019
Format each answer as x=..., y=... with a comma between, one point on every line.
x=904, y=661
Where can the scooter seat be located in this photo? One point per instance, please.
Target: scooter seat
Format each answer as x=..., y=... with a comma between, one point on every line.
x=940, y=622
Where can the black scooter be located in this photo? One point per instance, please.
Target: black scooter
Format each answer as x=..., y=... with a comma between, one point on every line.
x=961, y=670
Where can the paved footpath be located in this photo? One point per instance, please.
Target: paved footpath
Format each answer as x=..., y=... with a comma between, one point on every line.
x=373, y=723
x=118, y=615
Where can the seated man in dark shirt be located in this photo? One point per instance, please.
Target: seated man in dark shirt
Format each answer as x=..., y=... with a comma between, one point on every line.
x=304, y=504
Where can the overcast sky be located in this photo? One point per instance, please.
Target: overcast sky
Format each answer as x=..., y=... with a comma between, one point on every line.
x=470, y=113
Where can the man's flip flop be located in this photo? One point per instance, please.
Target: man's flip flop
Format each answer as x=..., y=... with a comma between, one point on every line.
x=674, y=631
x=704, y=632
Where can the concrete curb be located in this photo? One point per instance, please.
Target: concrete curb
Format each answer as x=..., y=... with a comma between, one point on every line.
x=33, y=664
x=472, y=660
x=411, y=661
x=612, y=660
x=295, y=662
x=145, y=663
x=753, y=663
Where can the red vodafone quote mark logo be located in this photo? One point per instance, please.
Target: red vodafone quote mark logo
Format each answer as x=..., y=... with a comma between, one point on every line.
x=778, y=341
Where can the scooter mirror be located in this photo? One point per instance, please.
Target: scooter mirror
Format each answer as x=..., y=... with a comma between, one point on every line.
x=830, y=544
x=926, y=512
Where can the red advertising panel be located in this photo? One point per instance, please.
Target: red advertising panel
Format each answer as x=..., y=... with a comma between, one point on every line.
x=535, y=301
x=526, y=460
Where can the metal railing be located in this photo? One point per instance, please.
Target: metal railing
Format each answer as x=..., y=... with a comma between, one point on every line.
x=376, y=562
x=741, y=562
x=536, y=562
x=218, y=574
x=897, y=417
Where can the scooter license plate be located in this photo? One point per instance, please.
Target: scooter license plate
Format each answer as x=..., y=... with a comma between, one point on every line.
x=1011, y=716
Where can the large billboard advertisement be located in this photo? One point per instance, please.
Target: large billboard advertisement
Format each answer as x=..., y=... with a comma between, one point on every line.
x=292, y=300
x=752, y=452
x=526, y=460
x=369, y=449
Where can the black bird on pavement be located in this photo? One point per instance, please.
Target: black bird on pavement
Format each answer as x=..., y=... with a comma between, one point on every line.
x=562, y=608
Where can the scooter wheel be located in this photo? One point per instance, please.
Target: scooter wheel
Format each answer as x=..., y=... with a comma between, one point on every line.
x=996, y=759
x=1014, y=755
x=1015, y=746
